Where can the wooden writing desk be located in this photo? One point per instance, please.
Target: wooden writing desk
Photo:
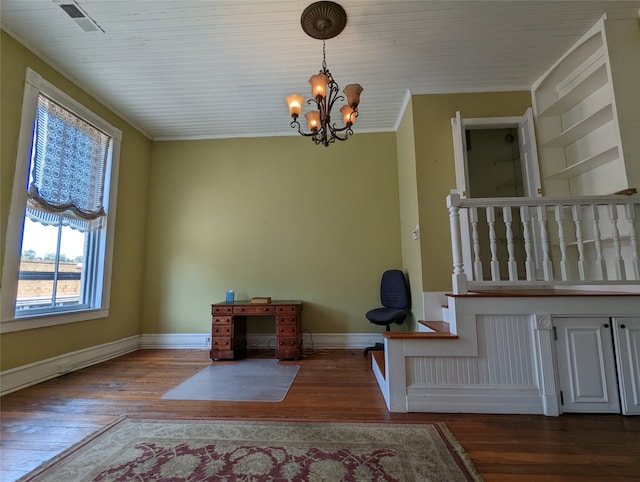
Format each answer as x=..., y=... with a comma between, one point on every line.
x=229, y=328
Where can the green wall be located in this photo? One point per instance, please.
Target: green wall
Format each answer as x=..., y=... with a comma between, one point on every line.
x=409, y=214
x=277, y=217
x=20, y=348
x=435, y=168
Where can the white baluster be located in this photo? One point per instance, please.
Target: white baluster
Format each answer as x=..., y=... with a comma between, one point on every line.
x=630, y=213
x=564, y=262
x=477, y=262
x=618, y=262
x=458, y=278
x=547, y=266
x=493, y=246
x=529, y=263
x=511, y=263
x=577, y=221
x=601, y=267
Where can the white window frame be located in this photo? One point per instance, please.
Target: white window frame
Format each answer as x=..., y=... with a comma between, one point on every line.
x=34, y=86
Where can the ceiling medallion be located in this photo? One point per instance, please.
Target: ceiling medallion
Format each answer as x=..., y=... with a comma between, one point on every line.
x=323, y=21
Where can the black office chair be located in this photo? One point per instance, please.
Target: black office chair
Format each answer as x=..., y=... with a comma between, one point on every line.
x=396, y=302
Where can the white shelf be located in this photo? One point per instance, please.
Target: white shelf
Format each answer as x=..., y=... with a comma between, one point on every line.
x=582, y=128
x=578, y=86
x=586, y=165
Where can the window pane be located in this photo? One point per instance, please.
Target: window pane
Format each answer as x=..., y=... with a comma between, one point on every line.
x=70, y=269
x=39, y=285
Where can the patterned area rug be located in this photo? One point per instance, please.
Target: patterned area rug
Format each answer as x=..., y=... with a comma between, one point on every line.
x=203, y=450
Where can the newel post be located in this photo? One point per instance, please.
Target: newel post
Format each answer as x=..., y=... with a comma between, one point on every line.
x=458, y=278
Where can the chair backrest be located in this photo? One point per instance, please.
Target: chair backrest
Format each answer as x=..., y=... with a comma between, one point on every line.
x=394, y=292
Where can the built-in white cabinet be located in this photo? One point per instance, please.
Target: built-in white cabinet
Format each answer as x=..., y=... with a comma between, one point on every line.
x=598, y=364
x=586, y=108
x=626, y=333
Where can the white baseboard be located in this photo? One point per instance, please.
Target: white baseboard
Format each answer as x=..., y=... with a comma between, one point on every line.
x=202, y=341
x=176, y=341
x=475, y=399
x=33, y=373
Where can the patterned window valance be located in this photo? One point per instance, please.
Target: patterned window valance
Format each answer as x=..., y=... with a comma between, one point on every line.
x=68, y=169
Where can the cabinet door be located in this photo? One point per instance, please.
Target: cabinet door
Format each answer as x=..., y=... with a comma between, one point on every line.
x=626, y=334
x=586, y=365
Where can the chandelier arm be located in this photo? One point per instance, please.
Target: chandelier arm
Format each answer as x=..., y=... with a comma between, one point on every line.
x=296, y=125
x=348, y=131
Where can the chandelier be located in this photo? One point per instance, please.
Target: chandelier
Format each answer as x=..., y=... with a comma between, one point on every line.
x=325, y=20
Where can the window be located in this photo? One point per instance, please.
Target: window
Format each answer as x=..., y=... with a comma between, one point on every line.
x=59, y=238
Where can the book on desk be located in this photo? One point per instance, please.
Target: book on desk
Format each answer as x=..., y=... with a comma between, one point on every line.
x=260, y=299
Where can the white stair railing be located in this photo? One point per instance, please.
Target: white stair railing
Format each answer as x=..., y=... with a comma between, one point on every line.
x=544, y=241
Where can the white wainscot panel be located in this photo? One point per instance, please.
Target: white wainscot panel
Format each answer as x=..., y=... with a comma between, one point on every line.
x=501, y=379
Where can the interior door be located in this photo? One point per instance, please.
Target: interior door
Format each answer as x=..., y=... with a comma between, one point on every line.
x=526, y=144
x=466, y=179
x=626, y=335
x=586, y=365
x=529, y=155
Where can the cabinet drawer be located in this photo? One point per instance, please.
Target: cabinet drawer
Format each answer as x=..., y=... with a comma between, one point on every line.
x=287, y=309
x=286, y=320
x=221, y=310
x=254, y=310
x=287, y=329
x=223, y=330
x=223, y=343
x=286, y=342
x=222, y=320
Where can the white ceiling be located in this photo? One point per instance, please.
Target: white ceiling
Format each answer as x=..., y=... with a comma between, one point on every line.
x=179, y=69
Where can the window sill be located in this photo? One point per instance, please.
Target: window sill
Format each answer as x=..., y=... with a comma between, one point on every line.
x=30, y=323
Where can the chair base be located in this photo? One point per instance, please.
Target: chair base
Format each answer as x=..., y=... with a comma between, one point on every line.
x=376, y=347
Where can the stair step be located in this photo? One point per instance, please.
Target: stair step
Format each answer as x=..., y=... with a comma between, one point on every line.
x=438, y=330
x=446, y=314
x=378, y=357
x=436, y=326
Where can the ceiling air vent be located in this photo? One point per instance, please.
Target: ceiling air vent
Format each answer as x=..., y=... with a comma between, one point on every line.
x=80, y=17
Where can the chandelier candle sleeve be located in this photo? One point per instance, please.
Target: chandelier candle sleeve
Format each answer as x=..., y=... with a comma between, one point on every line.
x=319, y=84
x=294, y=101
x=313, y=119
x=353, y=91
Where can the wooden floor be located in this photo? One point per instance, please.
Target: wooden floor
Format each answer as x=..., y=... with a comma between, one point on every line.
x=41, y=421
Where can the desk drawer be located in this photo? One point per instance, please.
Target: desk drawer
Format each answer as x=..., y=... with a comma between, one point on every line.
x=223, y=343
x=287, y=343
x=287, y=329
x=287, y=309
x=221, y=310
x=222, y=330
x=254, y=310
x=222, y=320
x=284, y=320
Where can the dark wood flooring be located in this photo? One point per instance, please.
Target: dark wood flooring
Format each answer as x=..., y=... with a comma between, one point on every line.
x=337, y=385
